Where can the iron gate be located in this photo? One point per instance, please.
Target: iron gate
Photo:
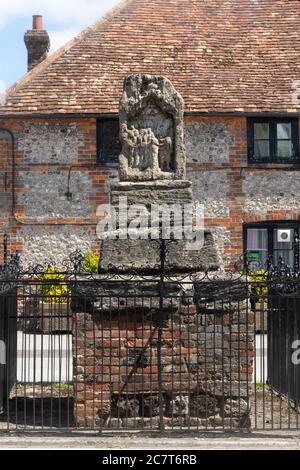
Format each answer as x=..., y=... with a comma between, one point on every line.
x=132, y=352
x=8, y=345
x=284, y=336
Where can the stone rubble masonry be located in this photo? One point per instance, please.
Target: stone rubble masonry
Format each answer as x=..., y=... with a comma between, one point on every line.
x=206, y=186
x=233, y=191
x=44, y=244
x=45, y=193
x=50, y=142
x=264, y=194
x=207, y=142
x=207, y=361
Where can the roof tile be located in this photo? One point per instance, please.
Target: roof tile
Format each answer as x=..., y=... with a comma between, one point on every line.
x=222, y=55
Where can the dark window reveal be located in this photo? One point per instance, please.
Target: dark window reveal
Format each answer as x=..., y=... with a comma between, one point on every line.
x=273, y=140
x=108, y=143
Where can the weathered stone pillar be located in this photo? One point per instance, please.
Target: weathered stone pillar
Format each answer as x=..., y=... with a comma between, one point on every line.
x=207, y=355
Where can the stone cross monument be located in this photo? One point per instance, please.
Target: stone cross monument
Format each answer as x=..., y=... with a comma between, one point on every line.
x=156, y=347
x=152, y=171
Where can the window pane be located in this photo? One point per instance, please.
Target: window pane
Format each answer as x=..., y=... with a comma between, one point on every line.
x=284, y=130
x=284, y=148
x=109, y=144
x=261, y=130
x=257, y=248
x=257, y=239
x=287, y=256
x=261, y=148
x=283, y=245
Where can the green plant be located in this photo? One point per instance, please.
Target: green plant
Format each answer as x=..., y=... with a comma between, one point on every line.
x=61, y=385
x=261, y=385
x=258, y=282
x=53, y=285
x=90, y=262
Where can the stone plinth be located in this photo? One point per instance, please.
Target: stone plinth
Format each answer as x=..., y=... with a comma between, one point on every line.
x=144, y=256
x=120, y=252
x=154, y=192
x=206, y=347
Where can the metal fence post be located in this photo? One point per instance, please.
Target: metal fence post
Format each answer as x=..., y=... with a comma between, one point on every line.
x=160, y=331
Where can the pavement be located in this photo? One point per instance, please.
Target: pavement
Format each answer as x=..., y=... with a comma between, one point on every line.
x=140, y=441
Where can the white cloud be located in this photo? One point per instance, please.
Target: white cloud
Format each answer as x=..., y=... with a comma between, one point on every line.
x=59, y=38
x=70, y=12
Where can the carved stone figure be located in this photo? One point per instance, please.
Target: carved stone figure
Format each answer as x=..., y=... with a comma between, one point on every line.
x=151, y=130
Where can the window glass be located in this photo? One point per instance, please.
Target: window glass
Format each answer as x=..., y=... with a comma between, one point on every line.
x=257, y=239
x=109, y=147
x=284, y=148
x=261, y=148
x=284, y=130
x=283, y=249
x=287, y=256
x=273, y=140
x=261, y=130
x=257, y=248
x=278, y=243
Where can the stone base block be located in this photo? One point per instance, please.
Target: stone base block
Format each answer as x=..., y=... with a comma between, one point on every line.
x=153, y=192
x=144, y=256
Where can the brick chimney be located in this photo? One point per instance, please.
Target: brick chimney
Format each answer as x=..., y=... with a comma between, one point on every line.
x=37, y=42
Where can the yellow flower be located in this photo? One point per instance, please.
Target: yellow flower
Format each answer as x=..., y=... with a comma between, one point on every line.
x=54, y=287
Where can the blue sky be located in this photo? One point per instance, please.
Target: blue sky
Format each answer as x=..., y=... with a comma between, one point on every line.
x=62, y=18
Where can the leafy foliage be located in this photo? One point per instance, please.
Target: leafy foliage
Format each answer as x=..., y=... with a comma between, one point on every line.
x=258, y=282
x=90, y=262
x=54, y=287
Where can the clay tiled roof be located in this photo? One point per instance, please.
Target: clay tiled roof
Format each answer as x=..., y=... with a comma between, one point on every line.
x=222, y=55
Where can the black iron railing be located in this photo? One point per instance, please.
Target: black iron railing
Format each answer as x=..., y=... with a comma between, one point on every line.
x=207, y=351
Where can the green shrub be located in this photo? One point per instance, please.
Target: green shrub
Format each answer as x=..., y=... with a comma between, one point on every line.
x=258, y=283
x=53, y=285
x=90, y=262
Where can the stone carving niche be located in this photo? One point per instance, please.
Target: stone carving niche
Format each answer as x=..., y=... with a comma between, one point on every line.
x=151, y=130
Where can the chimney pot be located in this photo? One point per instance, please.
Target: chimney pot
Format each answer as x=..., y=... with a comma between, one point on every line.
x=37, y=22
x=37, y=42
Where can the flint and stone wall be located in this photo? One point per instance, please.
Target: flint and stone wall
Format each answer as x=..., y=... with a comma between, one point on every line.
x=207, y=362
x=52, y=158
x=233, y=192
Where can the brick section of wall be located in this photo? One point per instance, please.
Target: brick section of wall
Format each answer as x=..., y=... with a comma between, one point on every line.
x=5, y=199
x=207, y=365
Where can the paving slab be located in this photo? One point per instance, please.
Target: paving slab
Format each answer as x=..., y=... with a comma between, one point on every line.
x=134, y=441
